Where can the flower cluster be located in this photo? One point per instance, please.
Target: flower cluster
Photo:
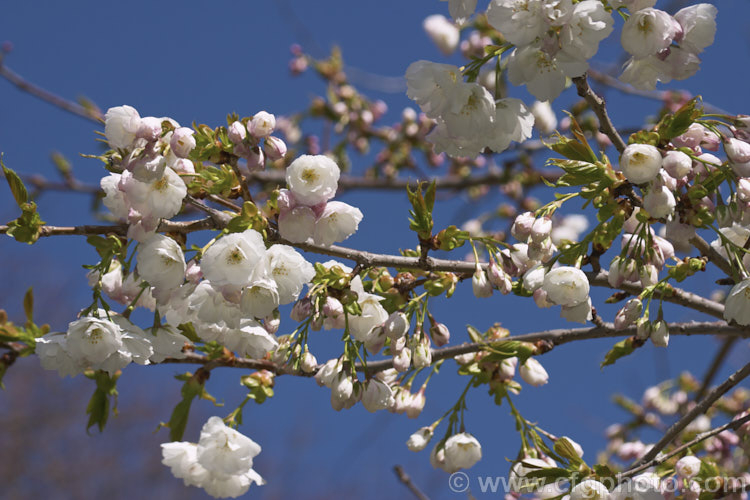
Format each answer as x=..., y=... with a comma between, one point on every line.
x=108, y=342
x=468, y=117
x=221, y=462
x=152, y=153
x=305, y=210
x=246, y=136
x=554, y=39
x=383, y=392
x=665, y=47
x=243, y=282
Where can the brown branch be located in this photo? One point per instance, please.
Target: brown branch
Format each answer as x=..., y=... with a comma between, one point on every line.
x=708, y=251
x=565, y=335
x=218, y=220
x=449, y=183
x=555, y=337
x=72, y=107
x=734, y=424
x=404, y=478
x=166, y=226
x=698, y=409
x=676, y=295
x=600, y=109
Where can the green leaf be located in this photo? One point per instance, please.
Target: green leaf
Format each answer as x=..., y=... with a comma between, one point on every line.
x=193, y=387
x=99, y=404
x=565, y=449
x=546, y=473
x=581, y=173
x=675, y=124
x=16, y=185
x=474, y=334
x=28, y=306
x=451, y=238
x=27, y=228
x=619, y=350
x=421, y=213
x=577, y=149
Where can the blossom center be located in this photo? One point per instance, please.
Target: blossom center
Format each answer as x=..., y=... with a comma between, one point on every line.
x=309, y=175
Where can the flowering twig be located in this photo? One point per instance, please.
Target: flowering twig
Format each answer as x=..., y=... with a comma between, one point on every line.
x=218, y=220
x=555, y=337
x=734, y=424
x=698, y=409
x=676, y=295
x=600, y=109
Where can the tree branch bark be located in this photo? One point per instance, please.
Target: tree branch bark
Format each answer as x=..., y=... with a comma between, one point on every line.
x=600, y=109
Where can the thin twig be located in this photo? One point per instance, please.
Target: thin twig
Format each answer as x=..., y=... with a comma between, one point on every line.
x=600, y=109
x=166, y=226
x=710, y=252
x=89, y=113
x=734, y=424
x=698, y=409
x=675, y=295
x=658, y=95
x=404, y=478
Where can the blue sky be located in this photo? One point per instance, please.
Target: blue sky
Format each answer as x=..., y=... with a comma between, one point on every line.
x=198, y=61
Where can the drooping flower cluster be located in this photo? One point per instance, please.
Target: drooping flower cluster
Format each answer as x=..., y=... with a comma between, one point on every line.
x=305, y=210
x=243, y=283
x=468, y=117
x=554, y=39
x=665, y=47
x=152, y=153
x=221, y=462
x=106, y=343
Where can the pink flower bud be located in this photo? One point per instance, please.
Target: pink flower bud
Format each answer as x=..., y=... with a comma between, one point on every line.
x=421, y=355
x=415, y=406
x=149, y=129
x=737, y=151
x=396, y=326
x=521, y=229
x=301, y=310
x=308, y=363
x=480, y=285
x=274, y=148
x=262, y=124
x=677, y=164
x=630, y=312
x=499, y=278
x=440, y=334
x=507, y=368
x=375, y=340
x=236, y=132
x=541, y=229
x=182, y=142
x=402, y=360
x=256, y=159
